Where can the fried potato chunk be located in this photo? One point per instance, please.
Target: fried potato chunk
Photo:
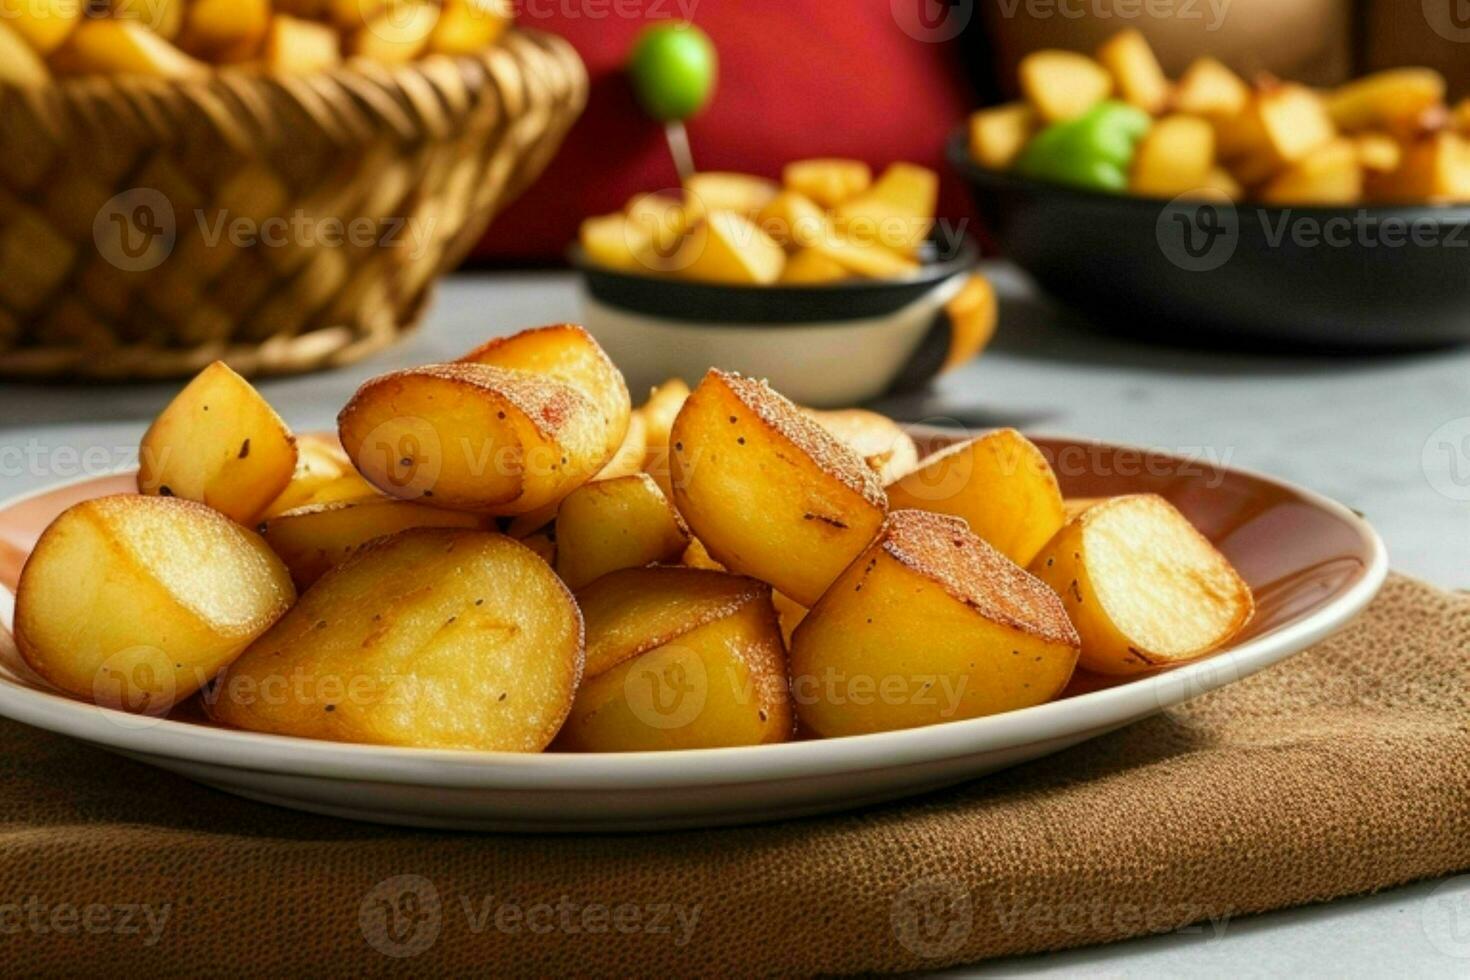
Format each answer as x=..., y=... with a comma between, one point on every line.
x=1063, y=84
x=679, y=658
x=220, y=443
x=313, y=539
x=1000, y=483
x=930, y=624
x=1142, y=586
x=770, y=492
x=432, y=638
x=567, y=353
x=606, y=525
x=474, y=437
x=135, y=602
x=880, y=441
x=323, y=475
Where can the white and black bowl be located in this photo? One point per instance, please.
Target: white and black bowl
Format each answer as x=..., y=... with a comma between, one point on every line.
x=823, y=345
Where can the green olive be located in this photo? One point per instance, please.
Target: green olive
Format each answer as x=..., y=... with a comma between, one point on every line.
x=673, y=68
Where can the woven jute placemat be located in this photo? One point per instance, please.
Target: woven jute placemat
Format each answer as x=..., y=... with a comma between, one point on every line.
x=1343, y=770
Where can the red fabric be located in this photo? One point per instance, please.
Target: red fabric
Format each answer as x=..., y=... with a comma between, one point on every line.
x=798, y=78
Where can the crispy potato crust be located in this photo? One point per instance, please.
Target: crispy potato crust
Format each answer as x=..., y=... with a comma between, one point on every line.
x=942, y=548
x=618, y=630
x=568, y=353
x=781, y=414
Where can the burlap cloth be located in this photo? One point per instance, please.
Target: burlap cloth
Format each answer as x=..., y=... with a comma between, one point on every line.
x=1344, y=770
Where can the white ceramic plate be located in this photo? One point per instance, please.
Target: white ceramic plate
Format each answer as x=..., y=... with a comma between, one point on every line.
x=1312, y=563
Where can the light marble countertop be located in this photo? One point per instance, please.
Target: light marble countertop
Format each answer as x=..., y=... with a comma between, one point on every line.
x=1387, y=435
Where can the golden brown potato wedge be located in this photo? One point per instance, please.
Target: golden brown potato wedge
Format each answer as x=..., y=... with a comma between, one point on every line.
x=679, y=658
x=1393, y=99
x=869, y=258
x=1063, y=84
x=398, y=34
x=769, y=492
x=1281, y=124
x=42, y=24
x=1378, y=153
x=740, y=194
x=567, y=353
x=605, y=525
x=220, y=443
x=698, y=556
x=474, y=437
x=1433, y=168
x=316, y=538
x=1142, y=586
x=1136, y=72
x=544, y=547
x=827, y=182
x=19, y=65
x=293, y=45
x=613, y=241
x=323, y=475
x=627, y=461
x=432, y=638
x=659, y=413
x=808, y=265
x=658, y=219
x=793, y=220
x=123, y=47
x=880, y=441
x=468, y=26
x=1175, y=156
x=789, y=612
x=730, y=248
x=1207, y=88
x=219, y=30
x=136, y=602
x=930, y=624
x=631, y=453
x=1330, y=174
x=1000, y=483
x=998, y=135
x=897, y=213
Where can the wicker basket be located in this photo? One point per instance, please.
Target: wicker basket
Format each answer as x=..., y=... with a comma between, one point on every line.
x=280, y=224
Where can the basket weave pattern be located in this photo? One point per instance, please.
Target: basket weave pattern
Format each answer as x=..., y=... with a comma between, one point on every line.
x=281, y=224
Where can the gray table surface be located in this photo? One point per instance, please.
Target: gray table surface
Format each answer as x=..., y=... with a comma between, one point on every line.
x=1389, y=436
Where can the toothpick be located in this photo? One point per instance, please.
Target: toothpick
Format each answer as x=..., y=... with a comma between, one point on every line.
x=678, y=139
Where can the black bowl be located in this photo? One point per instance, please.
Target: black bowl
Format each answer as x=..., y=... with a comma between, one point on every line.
x=1196, y=272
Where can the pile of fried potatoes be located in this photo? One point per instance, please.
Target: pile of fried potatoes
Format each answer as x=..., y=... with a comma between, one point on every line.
x=186, y=38
x=501, y=553
x=827, y=220
x=1384, y=138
